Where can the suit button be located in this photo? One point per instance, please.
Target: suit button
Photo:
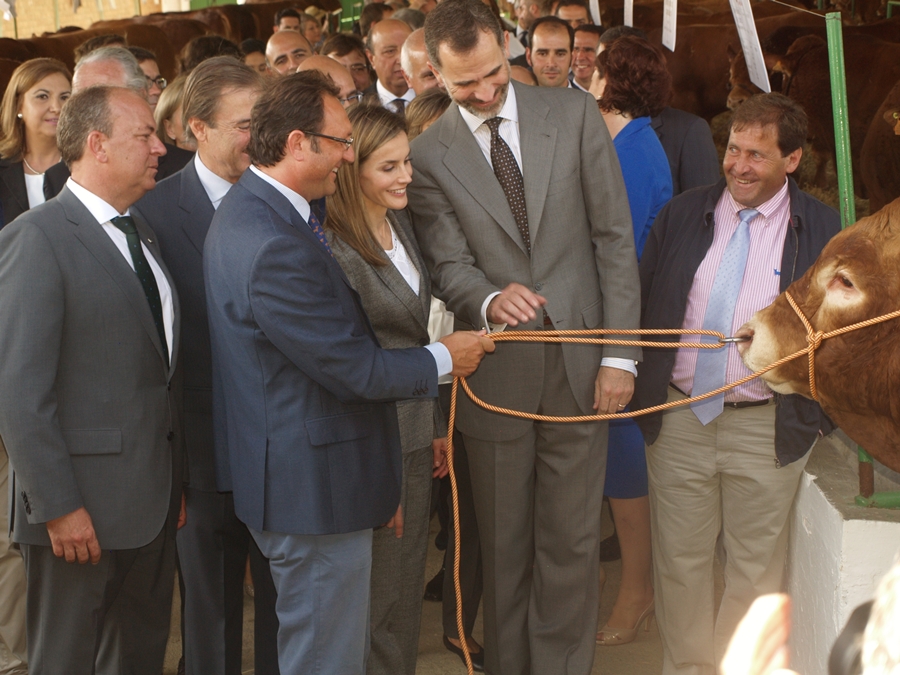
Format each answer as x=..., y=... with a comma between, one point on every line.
x=170, y=435
x=27, y=505
x=538, y=286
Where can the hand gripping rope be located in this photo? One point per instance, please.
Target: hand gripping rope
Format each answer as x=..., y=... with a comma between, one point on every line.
x=814, y=339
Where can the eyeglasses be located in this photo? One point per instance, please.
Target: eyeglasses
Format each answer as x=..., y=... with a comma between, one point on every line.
x=355, y=97
x=346, y=142
x=159, y=81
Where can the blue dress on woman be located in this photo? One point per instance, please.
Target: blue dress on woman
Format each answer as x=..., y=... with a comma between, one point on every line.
x=648, y=181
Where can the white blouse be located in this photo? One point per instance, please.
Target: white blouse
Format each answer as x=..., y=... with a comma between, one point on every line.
x=34, y=186
x=398, y=255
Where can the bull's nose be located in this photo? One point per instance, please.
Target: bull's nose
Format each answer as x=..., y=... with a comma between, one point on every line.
x=745, y=332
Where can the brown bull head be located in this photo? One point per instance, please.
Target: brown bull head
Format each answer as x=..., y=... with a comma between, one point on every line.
x=856, y=277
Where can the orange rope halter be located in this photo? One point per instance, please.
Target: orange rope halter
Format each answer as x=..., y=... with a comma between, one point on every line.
x=814, y=340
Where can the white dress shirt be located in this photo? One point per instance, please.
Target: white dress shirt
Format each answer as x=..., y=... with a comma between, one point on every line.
x=509, y=132
x=387, y=98
x=401, y=260
x=441, y=354
x=215, y=186
x=103, y=213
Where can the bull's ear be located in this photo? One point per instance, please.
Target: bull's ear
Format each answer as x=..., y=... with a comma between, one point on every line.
x=771, y=61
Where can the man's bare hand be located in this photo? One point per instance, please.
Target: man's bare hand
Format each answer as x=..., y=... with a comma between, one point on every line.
x=396, y=523
x=73, y=536
x=467, y=348
x=612, y=390
x=439, y=467
x=516, y=304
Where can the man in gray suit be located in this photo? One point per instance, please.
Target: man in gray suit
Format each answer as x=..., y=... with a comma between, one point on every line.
x=89, y=344
x=213, y=545
x=521, y=212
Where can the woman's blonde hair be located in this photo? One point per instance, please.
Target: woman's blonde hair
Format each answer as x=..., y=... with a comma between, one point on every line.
x=373, y=126
x=12, y=127
x=168, y=103
x=425, y=109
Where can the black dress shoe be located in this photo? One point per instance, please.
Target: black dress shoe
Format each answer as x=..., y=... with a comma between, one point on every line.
x=434, y=589
x=609, y=548
x=477, y=657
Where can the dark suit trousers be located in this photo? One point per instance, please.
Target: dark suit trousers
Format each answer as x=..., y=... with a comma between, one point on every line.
x=470, y=574
x=538, y=500
x=212, y=554
x=124, y=601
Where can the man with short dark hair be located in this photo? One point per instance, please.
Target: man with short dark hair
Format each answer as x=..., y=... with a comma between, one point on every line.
x=550, y=53
x=522, y=215
x=213, y=546
x=371, y=15
x=87, y=399
x=383, y=49
x=574, y=12
x=286, y=50
x=287, y=19
x=584, y=56
x=350, y=52
x=302, y=393
x=155, y=81
x=526, y=12
x=728, y=466
x=347, y=92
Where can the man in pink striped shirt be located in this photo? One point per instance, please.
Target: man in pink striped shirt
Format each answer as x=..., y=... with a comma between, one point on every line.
x=730, y=466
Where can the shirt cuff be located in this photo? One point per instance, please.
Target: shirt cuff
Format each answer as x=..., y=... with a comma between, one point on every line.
x=442, y=358
x=621, y=364
x=490, y=327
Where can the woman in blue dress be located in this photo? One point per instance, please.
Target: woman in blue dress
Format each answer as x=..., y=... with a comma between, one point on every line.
x=632, y=84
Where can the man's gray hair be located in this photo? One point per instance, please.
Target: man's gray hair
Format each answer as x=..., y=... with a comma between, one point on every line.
x=86, y=111
x=134, y=76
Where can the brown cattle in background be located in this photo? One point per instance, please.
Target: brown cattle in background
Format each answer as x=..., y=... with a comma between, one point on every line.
x=178, y=31
x=879, y=159
x=856, y=277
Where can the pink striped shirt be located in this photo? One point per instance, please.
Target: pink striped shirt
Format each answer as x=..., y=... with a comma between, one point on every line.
x=760, y=287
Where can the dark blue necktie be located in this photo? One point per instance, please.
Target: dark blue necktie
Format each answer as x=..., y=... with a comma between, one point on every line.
x=145, y=276
x=316, y=227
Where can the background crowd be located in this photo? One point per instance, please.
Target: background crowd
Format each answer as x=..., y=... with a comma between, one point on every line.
x=233, y=303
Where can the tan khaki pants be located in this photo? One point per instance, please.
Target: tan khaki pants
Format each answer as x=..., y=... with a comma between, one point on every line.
x=703, y=480
x=12, y=586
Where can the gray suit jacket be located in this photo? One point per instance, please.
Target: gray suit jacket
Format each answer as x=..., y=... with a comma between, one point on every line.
x=86, y=410
x=583, y=259
x=398, y=316
x=179, y=211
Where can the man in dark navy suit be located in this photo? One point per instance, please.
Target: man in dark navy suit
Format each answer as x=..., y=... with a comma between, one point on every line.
x=302, y=392
x=213, y=546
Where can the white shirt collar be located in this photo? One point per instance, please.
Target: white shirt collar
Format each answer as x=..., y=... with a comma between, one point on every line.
x=387, y=97
x=574, y=85
x=102, y=211
x=509, y=111
x=298, y=202
x=216, y=187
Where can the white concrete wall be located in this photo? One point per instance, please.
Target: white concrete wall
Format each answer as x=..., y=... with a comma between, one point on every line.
x=838, y=552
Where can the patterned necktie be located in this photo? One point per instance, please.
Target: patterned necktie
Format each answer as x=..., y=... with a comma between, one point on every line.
x=507, y=171
x=145, y=276
x=317, y=229
x=711, y=363
x=399, y=106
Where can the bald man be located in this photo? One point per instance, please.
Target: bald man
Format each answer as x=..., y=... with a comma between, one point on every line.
x=340, y=75
x=285, y=51
x=414, y=63
x=383, y=47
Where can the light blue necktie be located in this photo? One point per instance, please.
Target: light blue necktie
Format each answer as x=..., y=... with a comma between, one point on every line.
x=711, y=363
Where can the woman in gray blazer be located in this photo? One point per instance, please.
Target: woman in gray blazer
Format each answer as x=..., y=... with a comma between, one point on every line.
x=371, y=238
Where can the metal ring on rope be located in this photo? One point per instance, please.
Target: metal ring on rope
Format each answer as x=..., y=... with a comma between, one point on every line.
x=814, y=340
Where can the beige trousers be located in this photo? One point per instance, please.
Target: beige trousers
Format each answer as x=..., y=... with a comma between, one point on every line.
x=12, y=586
x=704, y=481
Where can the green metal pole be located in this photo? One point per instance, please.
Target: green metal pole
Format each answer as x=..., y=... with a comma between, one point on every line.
x=841, y=119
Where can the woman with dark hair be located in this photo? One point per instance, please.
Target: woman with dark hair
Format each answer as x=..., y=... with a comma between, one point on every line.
x=372, y=240
x=633, y=84
x=28, y=117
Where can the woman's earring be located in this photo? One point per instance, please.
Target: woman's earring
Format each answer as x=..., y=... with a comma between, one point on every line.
x=19, y=115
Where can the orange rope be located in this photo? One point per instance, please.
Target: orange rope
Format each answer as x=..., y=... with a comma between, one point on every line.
x=814, y=340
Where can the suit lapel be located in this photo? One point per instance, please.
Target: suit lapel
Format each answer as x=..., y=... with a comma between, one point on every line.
x=538, y=141
x=90, y=233
x=194, y=201
x=466, y=161
x=395, y=282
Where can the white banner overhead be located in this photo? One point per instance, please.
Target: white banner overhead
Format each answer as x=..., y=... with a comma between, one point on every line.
x=743, y=19
x=629, y=13
x=670, y=20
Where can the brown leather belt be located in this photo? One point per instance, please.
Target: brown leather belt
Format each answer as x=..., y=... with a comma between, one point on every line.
x=737, y=405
